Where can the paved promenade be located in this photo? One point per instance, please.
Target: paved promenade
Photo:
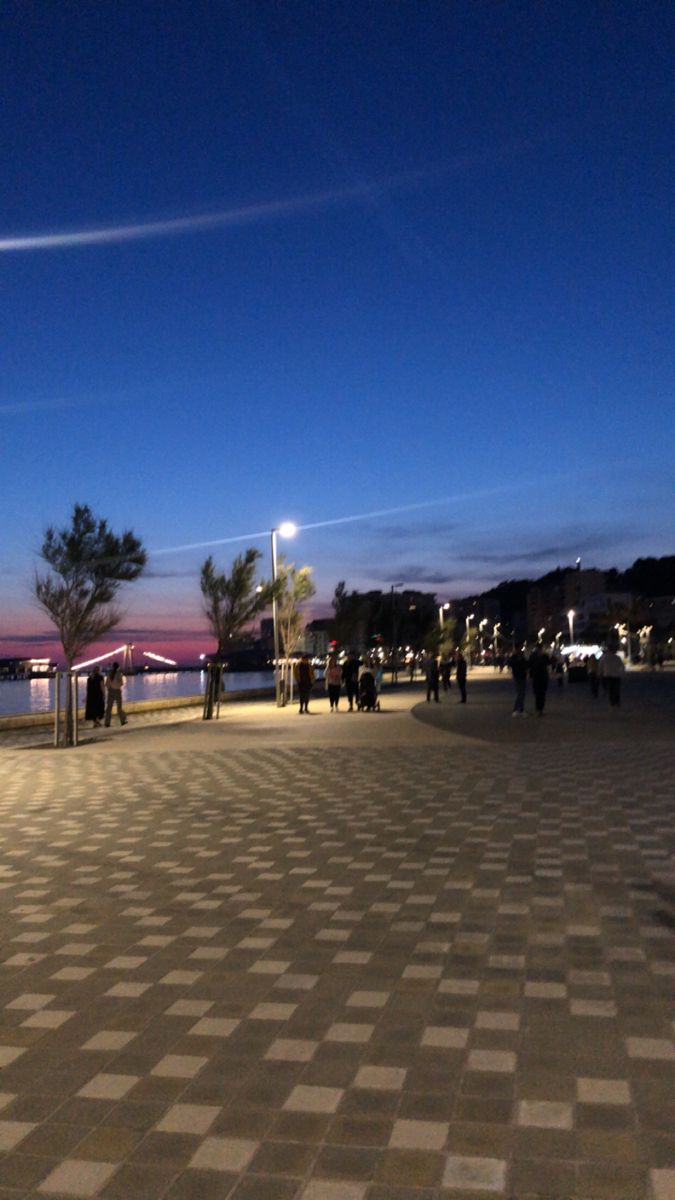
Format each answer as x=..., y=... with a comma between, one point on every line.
x=425, y=954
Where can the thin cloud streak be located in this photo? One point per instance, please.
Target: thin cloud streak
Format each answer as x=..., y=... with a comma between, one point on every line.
x=479, y=493
x=249, y=214
x=25, y=406
x=368, y=191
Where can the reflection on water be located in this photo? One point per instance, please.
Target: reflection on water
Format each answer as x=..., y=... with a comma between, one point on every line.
x=40, y=693
x=18, y=696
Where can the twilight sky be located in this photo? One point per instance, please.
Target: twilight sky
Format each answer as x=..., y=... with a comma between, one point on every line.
x=308, y=260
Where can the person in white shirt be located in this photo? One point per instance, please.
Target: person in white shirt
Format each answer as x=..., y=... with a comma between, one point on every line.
x=114, y=684
x=612, y=671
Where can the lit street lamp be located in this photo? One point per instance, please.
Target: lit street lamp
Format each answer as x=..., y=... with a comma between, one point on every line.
x=624, y=636
x=287, y=530
x=495, y=637
x=441, y=609
x=570, y=617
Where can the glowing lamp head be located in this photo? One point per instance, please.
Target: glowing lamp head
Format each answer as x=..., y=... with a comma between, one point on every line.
x=287, y=529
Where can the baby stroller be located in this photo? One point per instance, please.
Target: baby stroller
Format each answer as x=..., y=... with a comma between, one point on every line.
x=368, y=701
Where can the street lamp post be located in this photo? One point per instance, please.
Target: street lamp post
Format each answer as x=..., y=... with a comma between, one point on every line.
x=481, y=646
x=441, y=609
x=394, y=634
x=495, y=640
x=287, y=530
x=469, y=619
x=570, y=617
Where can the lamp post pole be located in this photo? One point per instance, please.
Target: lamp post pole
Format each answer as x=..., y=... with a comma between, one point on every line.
x=468, y=640
x=286, y=529
x=275, y=625
x=394, y=634
x=570, y=617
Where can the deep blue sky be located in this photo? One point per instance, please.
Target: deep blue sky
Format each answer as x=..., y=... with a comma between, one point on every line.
x=470, y=302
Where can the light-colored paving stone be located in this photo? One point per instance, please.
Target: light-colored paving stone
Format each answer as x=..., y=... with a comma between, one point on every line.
x=347, y=956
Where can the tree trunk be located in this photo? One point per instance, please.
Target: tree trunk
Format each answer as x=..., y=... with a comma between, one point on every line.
x=68, y=721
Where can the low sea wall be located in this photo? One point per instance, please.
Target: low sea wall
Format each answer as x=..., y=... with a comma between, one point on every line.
x=29, y=720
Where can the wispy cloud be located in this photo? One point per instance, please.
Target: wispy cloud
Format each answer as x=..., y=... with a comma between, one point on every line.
x=221, y=219
x=412, y=574
x=25, y=406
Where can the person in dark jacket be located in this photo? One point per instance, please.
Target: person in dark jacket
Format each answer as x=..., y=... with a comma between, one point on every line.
x=539, y=675
x=432, y=677
x=304, y=677
x=518, y=665
x=350, y=678
x=460, y=671
x=446, y=672
x=94, y=708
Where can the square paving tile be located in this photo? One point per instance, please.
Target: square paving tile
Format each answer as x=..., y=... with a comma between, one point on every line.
x=77, y=1177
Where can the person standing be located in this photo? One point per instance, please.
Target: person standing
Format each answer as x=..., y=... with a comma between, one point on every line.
x=94, y=708
x=518, y=665
x=612, y=671
x=460, y=672
x=304, y=677
x=593, y=672
x=539, y=676
x=333, y=682
x=432, y=677
x=114, y=683
x=446, y=671
x=350, y=678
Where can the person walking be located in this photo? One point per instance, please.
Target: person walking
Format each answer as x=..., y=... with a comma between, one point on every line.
x=460, y=672
x=114, y=684
x=612, y=672
x=94, y=706
x=539, y=675
x=350, y=678
x=593, y=672
x=518, y=665
x=333, y=682
x=432, y=677
x=446, y=672
x=304, y=677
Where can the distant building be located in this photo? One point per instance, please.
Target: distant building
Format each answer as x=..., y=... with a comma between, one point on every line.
x=25, y=668
x=658, y=611
x=317, y=637
x=551, y=598
x=601, y=611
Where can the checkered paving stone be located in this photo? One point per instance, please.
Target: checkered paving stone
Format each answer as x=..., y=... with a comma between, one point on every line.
x=419, y=974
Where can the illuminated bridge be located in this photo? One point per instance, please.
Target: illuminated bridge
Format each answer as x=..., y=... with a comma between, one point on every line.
x=126, y=655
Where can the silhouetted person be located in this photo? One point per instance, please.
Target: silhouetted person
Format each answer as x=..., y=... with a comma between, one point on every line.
x=350, y=677
x=518, y=665
x=446, y=672
x=114, y=684
x=460, y=672
x=432, y=677
x=333, y=682
x=539, y=676
x=593, y=672
x=304, y=677
x=95, y=702
x=612, y=671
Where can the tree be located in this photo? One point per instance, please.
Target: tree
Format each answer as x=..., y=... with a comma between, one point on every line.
x=296, y=586
x=232, y=601
x=89, y=564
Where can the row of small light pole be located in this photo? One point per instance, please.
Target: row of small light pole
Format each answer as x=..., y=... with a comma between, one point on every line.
x=443, y=608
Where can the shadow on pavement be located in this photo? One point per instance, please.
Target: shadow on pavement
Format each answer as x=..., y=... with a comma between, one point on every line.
x=571, y=714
